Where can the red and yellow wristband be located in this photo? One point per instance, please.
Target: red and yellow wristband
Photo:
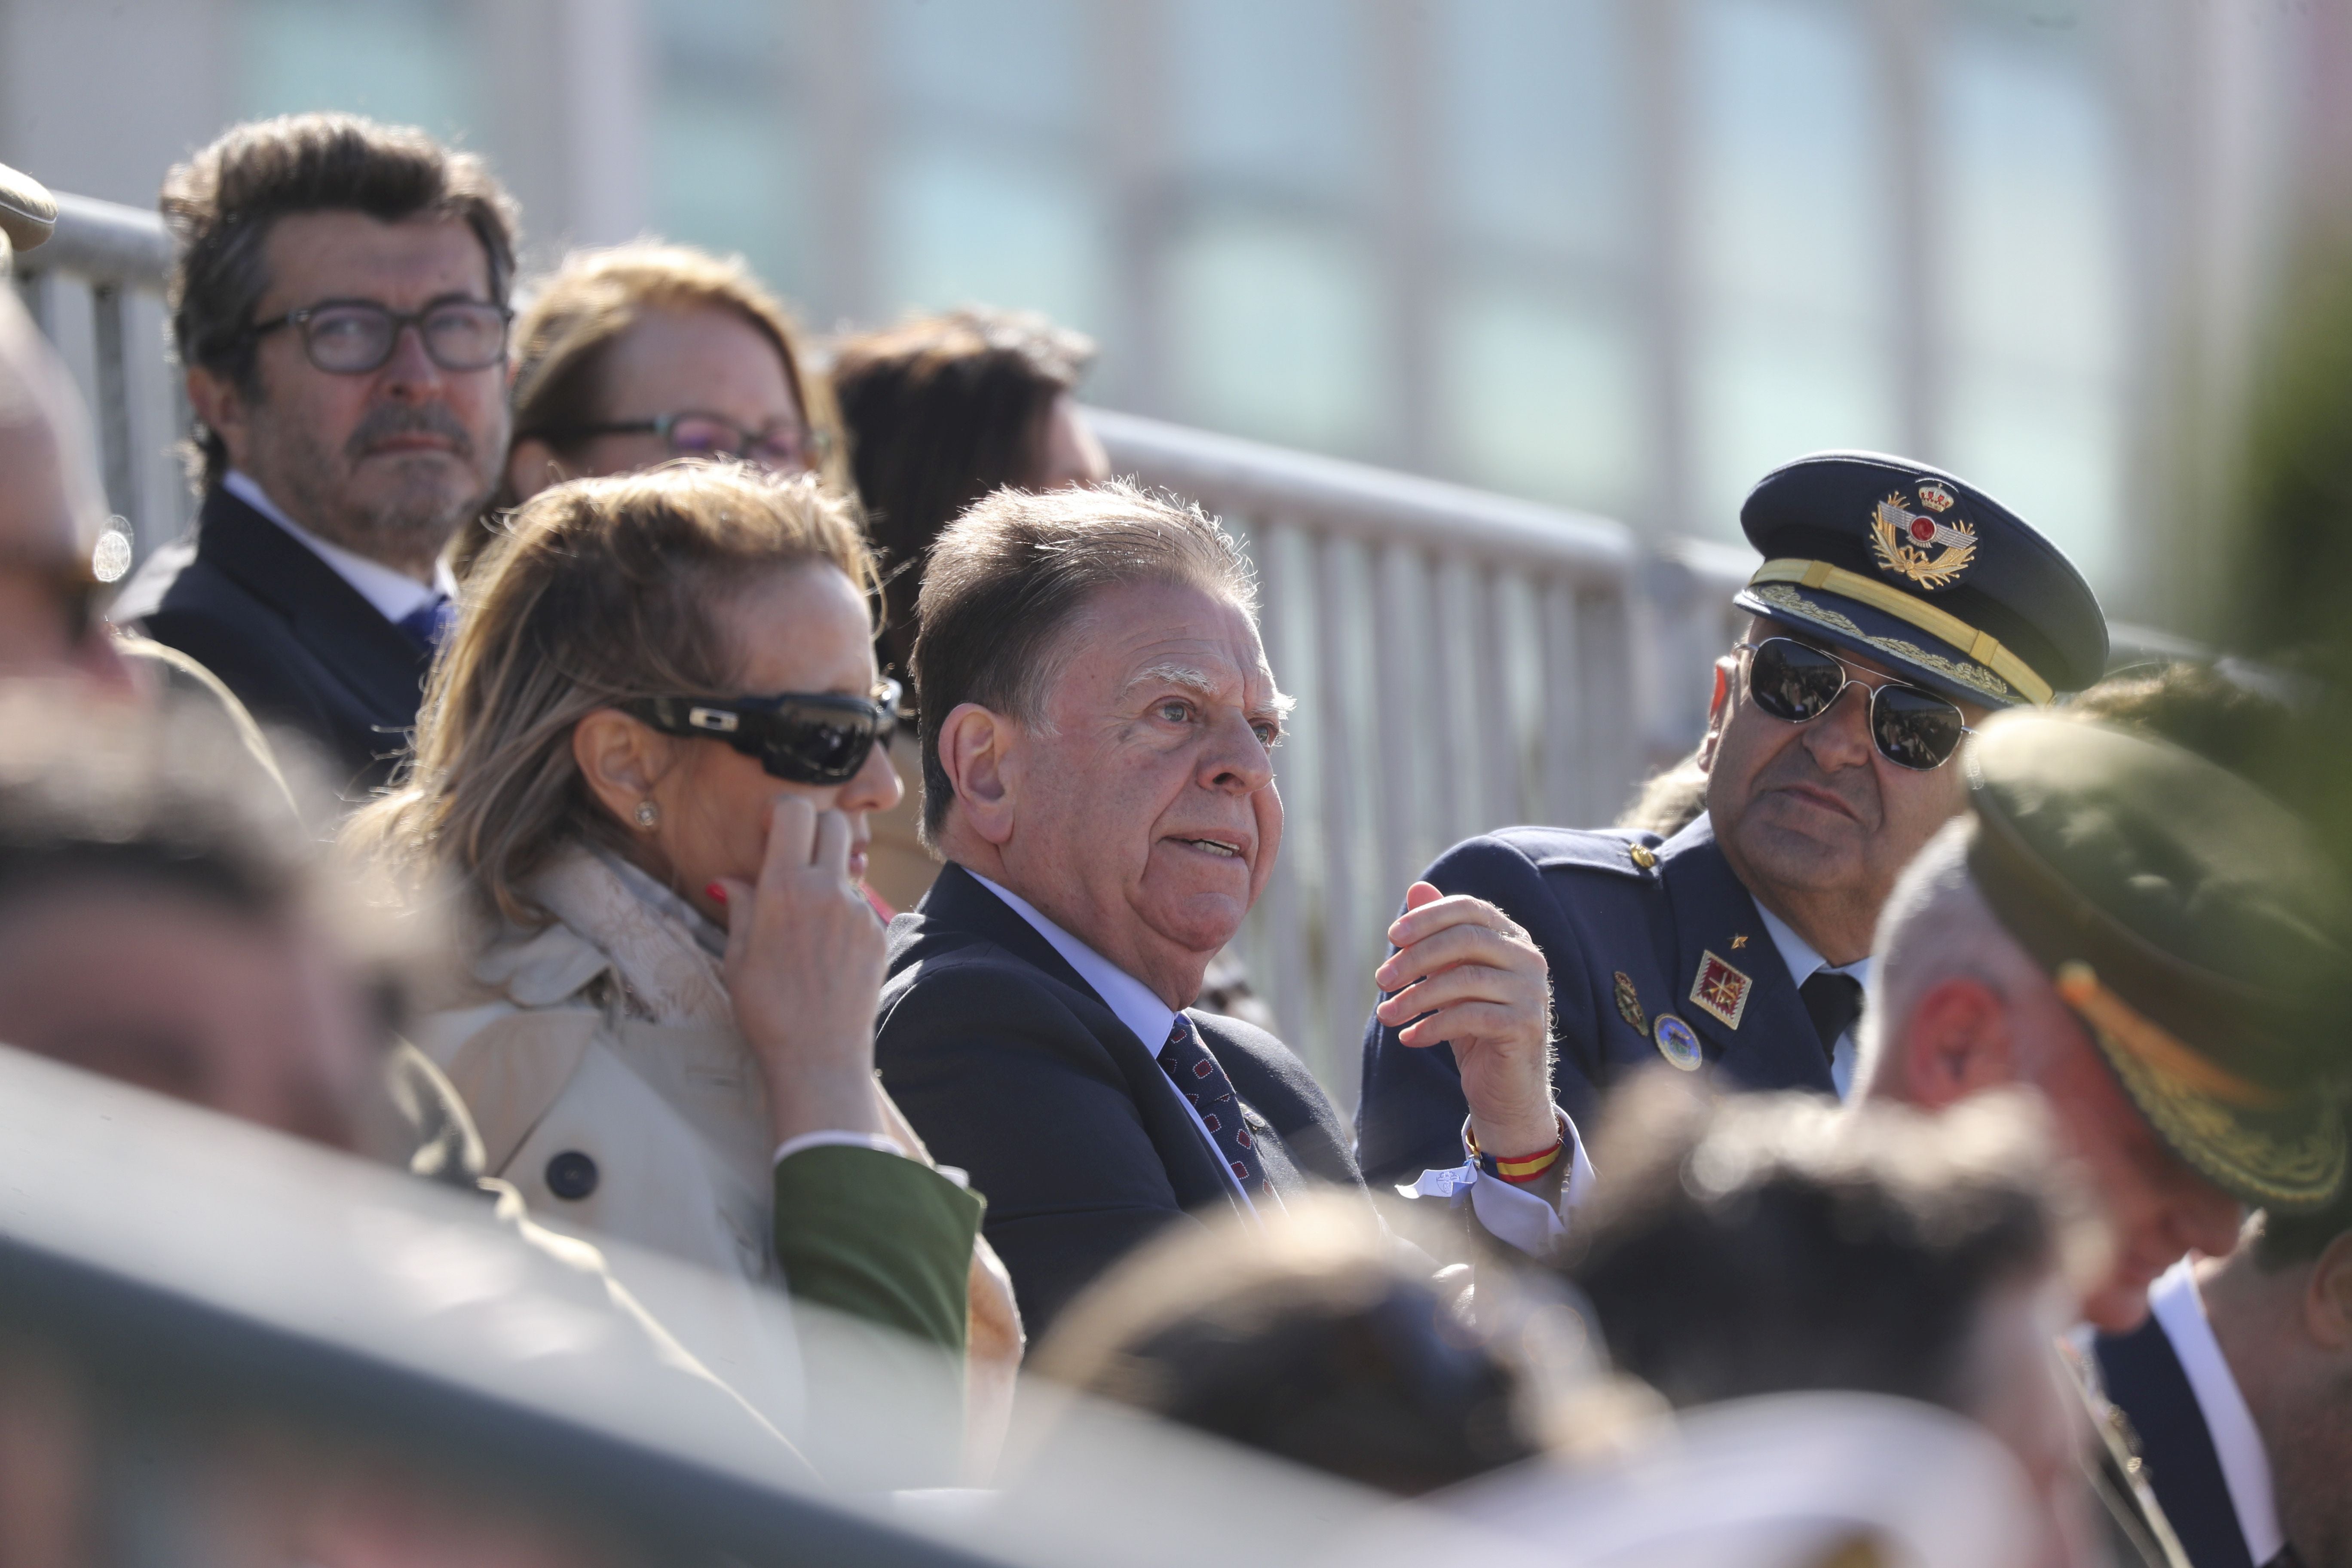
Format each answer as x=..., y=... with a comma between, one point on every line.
x=1517, y=1168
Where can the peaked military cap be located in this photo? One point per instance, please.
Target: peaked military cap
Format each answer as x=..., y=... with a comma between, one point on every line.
x=1924, y=574
x=2195, y=926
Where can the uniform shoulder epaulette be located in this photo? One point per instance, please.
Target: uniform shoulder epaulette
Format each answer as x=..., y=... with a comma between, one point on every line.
x=1627, y=851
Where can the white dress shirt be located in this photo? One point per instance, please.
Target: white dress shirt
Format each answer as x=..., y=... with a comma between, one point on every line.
x=396, y=595
x=1803, y=964
x=2245, y=1467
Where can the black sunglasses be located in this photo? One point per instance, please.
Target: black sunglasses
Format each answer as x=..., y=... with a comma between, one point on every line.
x=1797, y=683
x=809, y=738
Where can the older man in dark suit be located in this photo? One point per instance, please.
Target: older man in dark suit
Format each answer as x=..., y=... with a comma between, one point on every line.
x=340, y=304
x=1098, y=723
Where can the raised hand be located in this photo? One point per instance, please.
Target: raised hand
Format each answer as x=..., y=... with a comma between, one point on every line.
x=1464, y=973
x=806, y=955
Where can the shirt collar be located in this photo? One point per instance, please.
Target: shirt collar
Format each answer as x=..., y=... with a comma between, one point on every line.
x=394, y=594
x=1800, y=958
x=2237, y=1442
x=1149, y=1018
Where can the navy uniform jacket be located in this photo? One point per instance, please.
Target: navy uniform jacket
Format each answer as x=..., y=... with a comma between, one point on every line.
x=1598, y=911
x=282, y=628
x=2142, y=1374
x=1009, y=1066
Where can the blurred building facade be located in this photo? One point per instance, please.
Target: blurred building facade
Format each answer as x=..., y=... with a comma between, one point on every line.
x=1622, y=255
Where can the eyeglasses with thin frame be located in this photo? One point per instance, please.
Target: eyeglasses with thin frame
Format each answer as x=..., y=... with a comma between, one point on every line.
x=357, y=337
x=804, y=737
x=786, y=446
x=1796, y=683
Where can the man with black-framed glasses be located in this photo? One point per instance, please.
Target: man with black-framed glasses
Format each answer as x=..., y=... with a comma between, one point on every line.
x=1896, y=608
x=340, y=306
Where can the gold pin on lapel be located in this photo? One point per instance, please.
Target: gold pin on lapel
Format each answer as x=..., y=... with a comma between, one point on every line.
x=1738, y=942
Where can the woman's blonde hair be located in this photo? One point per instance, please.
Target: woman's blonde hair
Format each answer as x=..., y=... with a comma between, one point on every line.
x=579, y=311
x=607, y=589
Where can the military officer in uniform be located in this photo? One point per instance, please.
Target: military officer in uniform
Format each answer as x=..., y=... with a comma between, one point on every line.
x=1897, y=607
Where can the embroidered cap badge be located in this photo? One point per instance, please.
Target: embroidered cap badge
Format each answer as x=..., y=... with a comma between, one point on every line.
x=1720, y=991
x=1677, y=1043
x=1902, y=539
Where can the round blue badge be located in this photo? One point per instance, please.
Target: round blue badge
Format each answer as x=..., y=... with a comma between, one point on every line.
x=1676, y=1043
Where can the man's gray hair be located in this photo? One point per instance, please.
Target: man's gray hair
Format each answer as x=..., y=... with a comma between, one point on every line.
x=1937, y=925
x=1008, y=577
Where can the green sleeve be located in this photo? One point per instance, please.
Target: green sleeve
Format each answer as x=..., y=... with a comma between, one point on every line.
x=881, y=1238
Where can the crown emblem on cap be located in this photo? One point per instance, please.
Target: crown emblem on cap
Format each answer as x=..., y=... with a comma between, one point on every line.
x=1902, y=540
x=1935, y=496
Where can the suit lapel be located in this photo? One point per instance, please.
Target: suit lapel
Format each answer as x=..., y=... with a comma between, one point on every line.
x=382, y=666
x=1726, y=968
x=2141, y=1374
x=958, y=899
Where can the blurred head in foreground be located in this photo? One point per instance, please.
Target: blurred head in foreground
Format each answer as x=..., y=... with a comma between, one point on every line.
x=1774, y=1243
x=2153, y=944
x=164, y=921
x=51, y=516
x=1310, y=1337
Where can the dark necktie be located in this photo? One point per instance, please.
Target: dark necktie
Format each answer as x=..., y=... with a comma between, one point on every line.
x=1185, y=1059
x=429, y=623
x=1833, y=1001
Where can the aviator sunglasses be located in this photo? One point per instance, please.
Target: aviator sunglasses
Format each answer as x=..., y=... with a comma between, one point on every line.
x=1797, y=683
x=811, y=737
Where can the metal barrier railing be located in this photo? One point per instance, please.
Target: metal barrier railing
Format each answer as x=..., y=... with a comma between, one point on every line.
x=1465, y=659
x=96, y=289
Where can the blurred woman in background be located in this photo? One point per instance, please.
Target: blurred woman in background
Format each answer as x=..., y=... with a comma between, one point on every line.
x=941, y=411
x=648, y=755
x=629, y=357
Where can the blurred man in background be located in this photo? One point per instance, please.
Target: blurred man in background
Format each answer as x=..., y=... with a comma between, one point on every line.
x=339, y=303
x=1895, y=607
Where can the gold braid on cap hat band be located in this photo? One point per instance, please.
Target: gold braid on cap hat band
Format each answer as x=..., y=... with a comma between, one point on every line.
x=2135, y=1032
x=1983, y=646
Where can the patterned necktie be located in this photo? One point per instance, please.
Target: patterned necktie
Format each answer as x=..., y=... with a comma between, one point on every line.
x=429, y=623
x=1185, y=1059
x=1833, y=1001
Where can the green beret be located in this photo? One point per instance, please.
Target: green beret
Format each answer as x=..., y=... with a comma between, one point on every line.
x=2194, y=924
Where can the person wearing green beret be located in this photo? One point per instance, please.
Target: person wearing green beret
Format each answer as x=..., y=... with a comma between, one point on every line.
x=2160, y=948
x=2156, y=945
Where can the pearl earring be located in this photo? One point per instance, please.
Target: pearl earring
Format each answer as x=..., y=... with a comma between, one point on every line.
x=649, y=813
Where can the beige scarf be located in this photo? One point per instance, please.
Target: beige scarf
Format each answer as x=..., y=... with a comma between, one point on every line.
x=606, y=925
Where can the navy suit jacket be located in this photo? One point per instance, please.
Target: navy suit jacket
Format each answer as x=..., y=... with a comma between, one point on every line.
x=1011, y=1066
x=298, y=644
x=2143, y=1378
x=1598, y=912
